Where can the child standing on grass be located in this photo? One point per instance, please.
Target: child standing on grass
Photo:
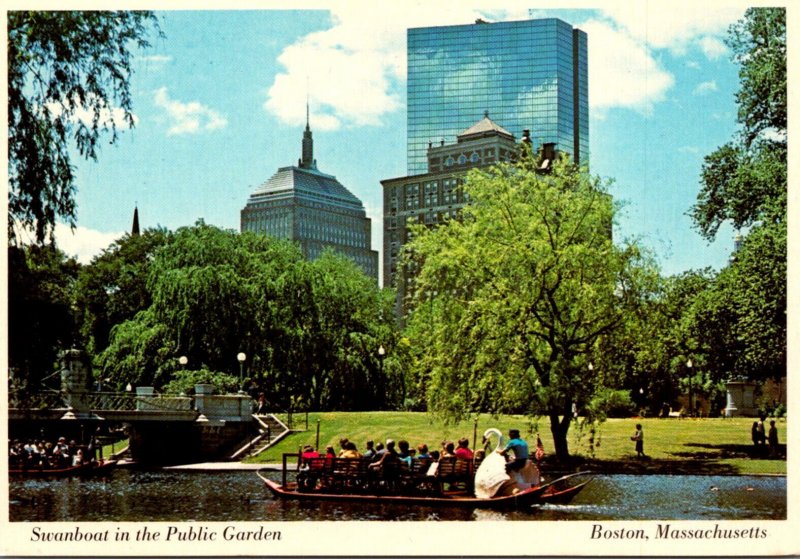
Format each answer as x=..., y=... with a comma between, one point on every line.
x=638, y=436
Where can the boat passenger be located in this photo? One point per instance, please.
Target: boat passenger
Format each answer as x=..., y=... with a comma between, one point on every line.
x=519, y=448
x=463, y=450
x=404, y=455
x=449, y=449
x=308, y=453
x=379, y=452
x=435, y=455
x=350, y=451
x=389, y=455
x=330, y=454
x=369, y=453
x=77, y=460
x=422, y=451
x=342, y=446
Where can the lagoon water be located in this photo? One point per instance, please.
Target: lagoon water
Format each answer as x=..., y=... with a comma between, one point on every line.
x=130, y=495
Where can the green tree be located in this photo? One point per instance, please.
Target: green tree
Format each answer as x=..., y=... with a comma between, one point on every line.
x=68, y=76
x=113, y=287
x=40, y=317
x=310, y=330
x=511, y=302
x=742, y=317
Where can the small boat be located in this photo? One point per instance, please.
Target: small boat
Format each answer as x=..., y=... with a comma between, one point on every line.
x=559, y=491
x=97, y=467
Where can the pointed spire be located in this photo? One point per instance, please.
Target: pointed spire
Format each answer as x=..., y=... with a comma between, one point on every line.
x=135, y=227
x=307, y=159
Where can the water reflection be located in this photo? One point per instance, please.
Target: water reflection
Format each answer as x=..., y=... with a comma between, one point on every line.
x=240, y=496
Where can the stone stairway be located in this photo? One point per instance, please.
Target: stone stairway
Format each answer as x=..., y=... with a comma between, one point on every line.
x=271, y=430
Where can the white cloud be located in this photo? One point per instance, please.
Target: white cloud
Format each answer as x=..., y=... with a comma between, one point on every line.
x=693, y=65
x=705, y=87
x=157, y=59
x=84, y=244
x=670, y=25
x=353, y=72
x=626, y=74
x=86, y=116
x=188, y=118
x=712, y=47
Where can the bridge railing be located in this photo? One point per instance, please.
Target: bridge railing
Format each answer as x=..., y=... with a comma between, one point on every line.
x=50, y=399
x=130, y=402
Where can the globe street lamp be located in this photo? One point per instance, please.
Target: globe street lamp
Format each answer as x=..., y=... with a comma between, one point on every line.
x=183, y=360
x=240, y=357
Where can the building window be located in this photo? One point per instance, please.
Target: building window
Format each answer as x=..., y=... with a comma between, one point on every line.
x=449, y=161
x=462, y=159
x=474, y=157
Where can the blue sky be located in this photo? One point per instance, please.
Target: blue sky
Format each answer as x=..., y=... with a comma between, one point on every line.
x=220, y=105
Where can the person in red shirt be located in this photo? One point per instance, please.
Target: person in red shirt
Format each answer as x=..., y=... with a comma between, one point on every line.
x=463, y=450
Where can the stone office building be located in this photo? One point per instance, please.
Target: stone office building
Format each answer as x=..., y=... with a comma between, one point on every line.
x=312, y=208
x=436, y=196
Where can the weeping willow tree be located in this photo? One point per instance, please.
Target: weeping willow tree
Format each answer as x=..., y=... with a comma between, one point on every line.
x=510, y=301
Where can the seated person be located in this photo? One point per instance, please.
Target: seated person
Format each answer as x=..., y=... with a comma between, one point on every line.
x=519, y=448
x=422, y=451
x=403, y=455
x=387, y=456
x=349, y=450
x=308, y=453
x=369, y=453
x=449, y=449
x=463, y=450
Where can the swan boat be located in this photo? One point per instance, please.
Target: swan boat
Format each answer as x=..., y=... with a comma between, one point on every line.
x=450, y=483
x=86, y=469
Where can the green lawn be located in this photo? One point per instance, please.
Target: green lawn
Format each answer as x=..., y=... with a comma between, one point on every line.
x=713, y=446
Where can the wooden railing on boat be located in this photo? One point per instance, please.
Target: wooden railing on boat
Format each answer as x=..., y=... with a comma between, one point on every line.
x=353, y=475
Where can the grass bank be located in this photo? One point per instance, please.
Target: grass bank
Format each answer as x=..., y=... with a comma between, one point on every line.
x=687, y=446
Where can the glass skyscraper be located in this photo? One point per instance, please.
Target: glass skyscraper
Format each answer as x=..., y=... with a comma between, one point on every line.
x=528, y=74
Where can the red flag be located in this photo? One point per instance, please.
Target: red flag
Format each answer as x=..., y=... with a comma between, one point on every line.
x=539, y=449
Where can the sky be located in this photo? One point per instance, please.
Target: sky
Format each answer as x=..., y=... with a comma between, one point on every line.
x=220, y=105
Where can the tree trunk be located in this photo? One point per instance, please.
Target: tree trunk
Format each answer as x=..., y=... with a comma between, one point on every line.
x=559, y=428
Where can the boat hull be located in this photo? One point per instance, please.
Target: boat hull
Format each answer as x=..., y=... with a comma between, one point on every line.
x=88, y=469
x=549, y=493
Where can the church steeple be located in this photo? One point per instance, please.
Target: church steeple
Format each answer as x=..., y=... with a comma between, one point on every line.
x=307, y=160
x=135, y=227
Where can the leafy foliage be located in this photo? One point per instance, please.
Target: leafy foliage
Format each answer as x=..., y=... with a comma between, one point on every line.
x=310, y=330
x=40, y=317
x=113, y=287
x=741, y=318
x=68, y=81
x=183, y=382
x=511, y=302
x=745, y=180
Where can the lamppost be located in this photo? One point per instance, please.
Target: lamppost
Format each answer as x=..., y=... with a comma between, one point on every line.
x=240, y=357
x=183, y=360
x=689, y=368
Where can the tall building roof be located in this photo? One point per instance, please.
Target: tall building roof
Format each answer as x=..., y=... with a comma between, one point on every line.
x=309, y=183
x=484, y=127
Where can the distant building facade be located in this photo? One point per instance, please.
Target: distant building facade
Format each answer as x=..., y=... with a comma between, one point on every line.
x=530, y=74
x=436, y=196
x=313, y=209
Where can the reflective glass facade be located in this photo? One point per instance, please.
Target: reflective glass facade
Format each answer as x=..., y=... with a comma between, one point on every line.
x=527, y=74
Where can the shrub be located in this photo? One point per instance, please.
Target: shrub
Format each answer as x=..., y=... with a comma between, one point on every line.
x=608, y=402
x=184, y=382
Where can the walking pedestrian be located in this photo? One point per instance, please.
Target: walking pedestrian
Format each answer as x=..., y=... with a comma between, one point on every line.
x=772, y=439
x=638, y=437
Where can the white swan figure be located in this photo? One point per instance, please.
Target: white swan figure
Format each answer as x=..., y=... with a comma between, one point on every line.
x=492, y=480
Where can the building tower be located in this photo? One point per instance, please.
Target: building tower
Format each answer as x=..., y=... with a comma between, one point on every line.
x=433, y=197
x=135, y=226
x=530, y=74
x=313, y=209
